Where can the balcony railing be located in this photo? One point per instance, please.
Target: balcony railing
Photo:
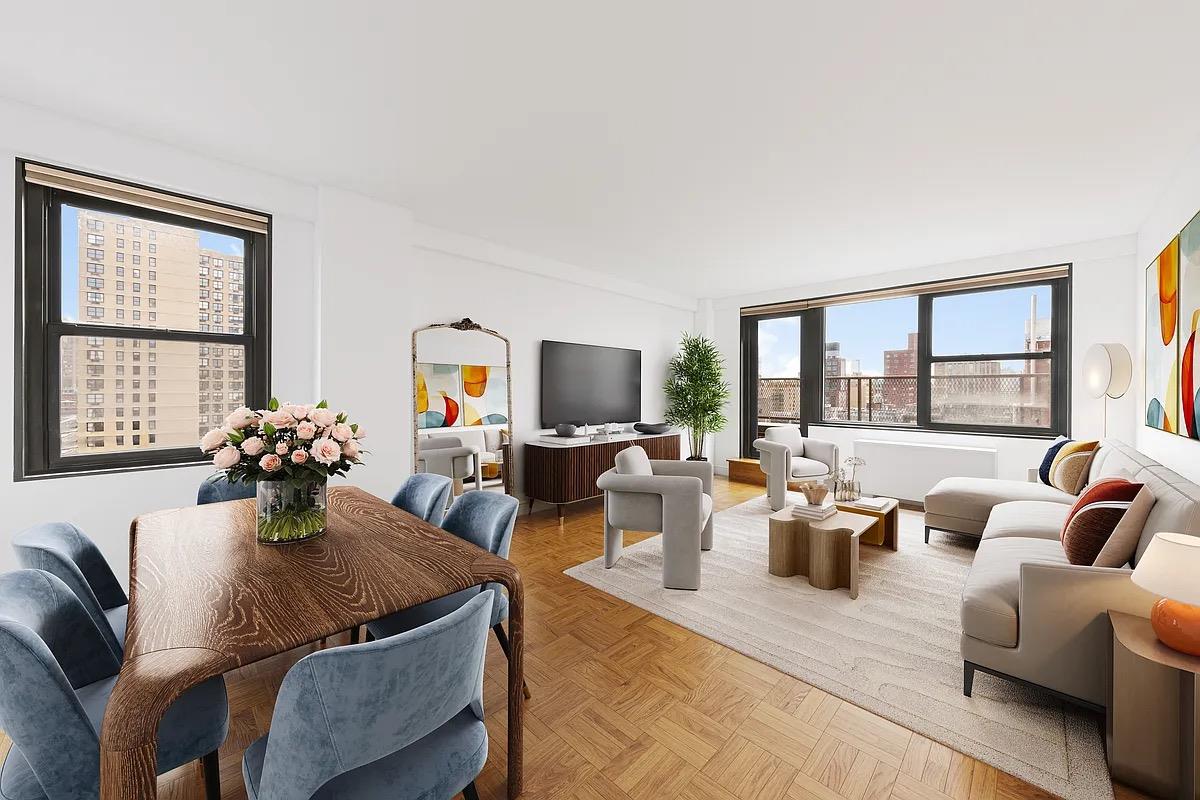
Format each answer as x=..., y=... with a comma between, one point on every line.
x=887, y=399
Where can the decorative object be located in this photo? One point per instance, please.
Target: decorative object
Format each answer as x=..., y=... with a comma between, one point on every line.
x=484, y=394
x=439, y=393
x=1107, y=369
x=896, y=654
x=1169, y=568
x=1162, y=343
x=651, y=427
x=696, y=391
x=1069, y=470
x=1093, y=519
x=565, y=429
x=290, y=451
x=814, y=492
x=1189, y=327
x=845, y=491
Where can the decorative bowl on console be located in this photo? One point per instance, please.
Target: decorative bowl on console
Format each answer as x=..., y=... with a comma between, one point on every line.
x=565, y=429
x=814, y=492
x=653, y=428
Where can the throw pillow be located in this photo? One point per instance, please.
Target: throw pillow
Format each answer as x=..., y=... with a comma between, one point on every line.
x=1069, y=470
x=1120, y=547
x=1094, y=517
x=1044, y=469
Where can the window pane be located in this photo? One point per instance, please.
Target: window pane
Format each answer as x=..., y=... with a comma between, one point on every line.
x=183, y=257
x=779, y=395
x=179, y=390
x=1013, y=393
x=871, y=362
x=1014, y=320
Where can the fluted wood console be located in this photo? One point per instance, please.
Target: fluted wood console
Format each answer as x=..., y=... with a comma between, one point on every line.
x=562, y=474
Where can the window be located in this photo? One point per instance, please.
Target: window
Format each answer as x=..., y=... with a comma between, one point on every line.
x=986, y=354
x=70, y=335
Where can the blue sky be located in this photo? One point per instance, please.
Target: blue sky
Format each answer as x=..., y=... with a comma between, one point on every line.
x=985, y=322
x=221, y=243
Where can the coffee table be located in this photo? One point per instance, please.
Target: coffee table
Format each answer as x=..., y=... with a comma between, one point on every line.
x=825, y=551
x=887, y=532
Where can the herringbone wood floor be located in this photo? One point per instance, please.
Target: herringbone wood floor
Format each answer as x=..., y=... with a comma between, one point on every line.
x=628, y=706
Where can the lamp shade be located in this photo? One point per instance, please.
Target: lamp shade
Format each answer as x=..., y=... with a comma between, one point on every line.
x=1107, y=370
x=1170, y=567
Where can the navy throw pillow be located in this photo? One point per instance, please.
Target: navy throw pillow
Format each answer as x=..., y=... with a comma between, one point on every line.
x=1044, y=469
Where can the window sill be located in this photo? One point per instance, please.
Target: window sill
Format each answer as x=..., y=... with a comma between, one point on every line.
x=1018, y=433
x=111, y=470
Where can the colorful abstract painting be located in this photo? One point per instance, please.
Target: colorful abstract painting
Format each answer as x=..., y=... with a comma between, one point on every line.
x=485, y=395
x=1162, y=340
x=439, y=391
x=1189, y=321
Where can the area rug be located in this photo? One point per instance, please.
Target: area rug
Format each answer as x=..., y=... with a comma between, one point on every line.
x=893, y=651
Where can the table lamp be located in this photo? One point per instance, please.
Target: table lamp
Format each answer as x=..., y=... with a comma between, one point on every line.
x=1170, y=567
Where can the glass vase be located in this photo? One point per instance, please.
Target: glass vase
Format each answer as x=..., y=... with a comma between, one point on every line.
x=846, y=491
x=289, y=511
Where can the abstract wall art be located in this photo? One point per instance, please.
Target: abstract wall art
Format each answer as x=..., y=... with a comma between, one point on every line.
x=1189, y=321
x=485, y=395
x=439, y=396
x=1162, y=340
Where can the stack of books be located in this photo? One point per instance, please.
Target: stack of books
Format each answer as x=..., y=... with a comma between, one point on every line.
x=875, y=503
x=813, y=513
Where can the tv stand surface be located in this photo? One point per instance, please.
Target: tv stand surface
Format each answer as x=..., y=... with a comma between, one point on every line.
x=564, y=474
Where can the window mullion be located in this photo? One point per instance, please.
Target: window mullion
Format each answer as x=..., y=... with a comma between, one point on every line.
x=924, y=360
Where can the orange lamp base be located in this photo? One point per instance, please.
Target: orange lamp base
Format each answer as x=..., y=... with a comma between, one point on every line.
x=1177, y=625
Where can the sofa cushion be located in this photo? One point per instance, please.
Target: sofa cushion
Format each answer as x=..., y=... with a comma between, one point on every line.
x=1120, y=547
x=1048, y=459
x=992, y=591
x=1094, y=517
x=808, y=468
x=1176, y=505
x=1069, y=471
x=972, y=499
x=1027, y=519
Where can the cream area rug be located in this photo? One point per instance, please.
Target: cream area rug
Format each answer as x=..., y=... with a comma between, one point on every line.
x=893, y=651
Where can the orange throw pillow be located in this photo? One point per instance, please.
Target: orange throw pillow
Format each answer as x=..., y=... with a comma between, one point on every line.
x=1094, y=517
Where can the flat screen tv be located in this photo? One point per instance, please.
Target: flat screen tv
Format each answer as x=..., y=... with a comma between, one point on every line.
x=583, y=383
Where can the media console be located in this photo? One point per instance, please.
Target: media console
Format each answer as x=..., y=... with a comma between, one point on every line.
x=567, y=473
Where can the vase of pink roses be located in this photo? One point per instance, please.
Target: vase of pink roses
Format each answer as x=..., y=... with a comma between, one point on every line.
x=289, y=452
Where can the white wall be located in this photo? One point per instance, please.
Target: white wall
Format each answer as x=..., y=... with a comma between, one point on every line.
x=1174, y=209
x=103, y=505
x=1102, y=285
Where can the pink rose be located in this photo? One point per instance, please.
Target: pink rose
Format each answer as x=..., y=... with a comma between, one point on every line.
x=214, y=439
x=306, y=430
x=281, y=448
x=253, y=446
x=240, y=418
x=341, y=432
x=298, y=412
x=360, y=432
x=322, y=417
x=280, y=419
x=326, y=451
x=299, y=456
x=270, y=462
x=350, y=450
x=226, y=457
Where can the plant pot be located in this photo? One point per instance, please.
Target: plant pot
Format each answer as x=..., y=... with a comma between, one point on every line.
x=290, y=511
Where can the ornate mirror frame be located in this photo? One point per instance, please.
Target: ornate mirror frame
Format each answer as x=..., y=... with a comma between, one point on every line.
x=466, y=324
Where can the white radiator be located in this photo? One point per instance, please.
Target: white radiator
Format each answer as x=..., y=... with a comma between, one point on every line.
x=907, y=470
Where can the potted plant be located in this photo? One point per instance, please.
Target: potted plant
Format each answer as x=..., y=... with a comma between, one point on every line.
x=289, y=452
x=696, y=391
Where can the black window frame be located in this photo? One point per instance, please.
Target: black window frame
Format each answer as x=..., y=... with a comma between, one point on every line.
x=40, y=327
x=812, y=364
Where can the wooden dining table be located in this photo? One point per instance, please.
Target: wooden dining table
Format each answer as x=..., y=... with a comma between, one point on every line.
x=205, y=598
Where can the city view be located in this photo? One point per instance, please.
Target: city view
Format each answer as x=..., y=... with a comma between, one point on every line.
x=870, y=361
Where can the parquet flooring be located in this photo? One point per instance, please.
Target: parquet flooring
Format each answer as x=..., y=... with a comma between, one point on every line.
x=628, y=706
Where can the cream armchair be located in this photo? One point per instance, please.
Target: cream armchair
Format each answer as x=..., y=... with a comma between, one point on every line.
x=447, y=455
x=673, y=497
x=786, y=455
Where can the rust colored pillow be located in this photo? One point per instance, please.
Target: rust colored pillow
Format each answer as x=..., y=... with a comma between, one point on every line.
x=1094, y=517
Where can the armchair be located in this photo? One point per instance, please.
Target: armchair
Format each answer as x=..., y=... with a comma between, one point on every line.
x=446, y=455
x=785, y=454
x=671, y=497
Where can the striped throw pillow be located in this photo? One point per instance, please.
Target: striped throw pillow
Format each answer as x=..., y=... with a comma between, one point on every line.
x=1095, y=516
x=1069, y=471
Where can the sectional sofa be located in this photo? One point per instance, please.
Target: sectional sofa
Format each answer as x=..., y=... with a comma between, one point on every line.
x=1027, y=613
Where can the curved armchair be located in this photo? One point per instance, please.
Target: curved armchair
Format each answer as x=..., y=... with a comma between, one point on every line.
x=785, y=454
x=216, y=488
x=672, y=497
x=447, y=455
x=425, y=495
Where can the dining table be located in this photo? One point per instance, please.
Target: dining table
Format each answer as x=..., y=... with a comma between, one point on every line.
x=206, y=598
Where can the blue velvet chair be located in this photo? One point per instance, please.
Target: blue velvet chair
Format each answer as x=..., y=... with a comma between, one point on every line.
x=425, y=495
x=216, y=488
x=56, y=675
x=65, y=552
x=396, y=718
x=485, y=519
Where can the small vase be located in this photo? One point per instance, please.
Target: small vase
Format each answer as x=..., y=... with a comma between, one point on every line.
x=290, y=512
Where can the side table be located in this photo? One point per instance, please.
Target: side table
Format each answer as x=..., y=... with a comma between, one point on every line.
x=887, y=532
x=825, y=551
x=1152, y=712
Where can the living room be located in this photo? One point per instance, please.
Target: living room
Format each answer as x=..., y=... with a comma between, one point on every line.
x=901, y=300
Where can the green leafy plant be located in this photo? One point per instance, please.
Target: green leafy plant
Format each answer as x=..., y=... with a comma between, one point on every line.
x=696, y=390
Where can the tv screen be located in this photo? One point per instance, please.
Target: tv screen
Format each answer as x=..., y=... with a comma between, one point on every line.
x=584, y=383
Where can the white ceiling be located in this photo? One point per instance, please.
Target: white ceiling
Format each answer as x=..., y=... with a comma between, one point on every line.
x=709, y=147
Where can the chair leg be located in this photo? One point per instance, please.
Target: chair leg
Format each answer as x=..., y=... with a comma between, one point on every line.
x=210, y=765
x=469, y=792
x=502, y=638
x=926, y=534
x=354, y=635
x=968, y=678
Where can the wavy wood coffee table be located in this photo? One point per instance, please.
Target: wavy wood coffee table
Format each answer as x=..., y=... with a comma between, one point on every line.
x=206, y=598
